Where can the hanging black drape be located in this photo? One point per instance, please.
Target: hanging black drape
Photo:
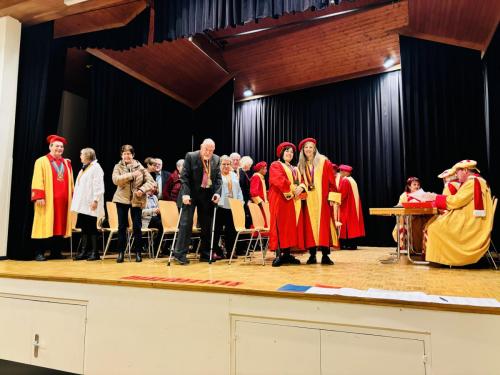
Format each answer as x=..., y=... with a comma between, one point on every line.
x=41, y=71
x=444, y=108
x=214, y=119
x=134, y=34
x=181, y=18
x=355, y=122
x=491, y=69
x=123, y=110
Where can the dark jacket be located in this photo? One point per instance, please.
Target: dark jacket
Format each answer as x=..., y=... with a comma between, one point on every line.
x=173, y=186
x=164, y=178
x=192, y=175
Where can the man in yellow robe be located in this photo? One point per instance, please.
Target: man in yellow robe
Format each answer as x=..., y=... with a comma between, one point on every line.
x=461, y=236
x=51, y=191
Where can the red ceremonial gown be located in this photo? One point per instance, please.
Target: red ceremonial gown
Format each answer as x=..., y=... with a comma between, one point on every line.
x=285, y=210
x=60, y=197
x=258, y=192
x=318, y=225
x=351, y=214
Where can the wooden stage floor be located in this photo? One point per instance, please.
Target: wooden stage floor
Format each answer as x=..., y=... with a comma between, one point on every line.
x=359, y=269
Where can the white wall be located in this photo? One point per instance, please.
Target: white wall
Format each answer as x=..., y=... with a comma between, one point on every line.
x=10, y=39
x=157, y=331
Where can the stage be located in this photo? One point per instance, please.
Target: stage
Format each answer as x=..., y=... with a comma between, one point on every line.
x=146, y=317
x=360, y=269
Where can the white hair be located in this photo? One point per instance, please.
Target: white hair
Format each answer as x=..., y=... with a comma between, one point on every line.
x=234, y=155
x=224, y=158
x=179, y=163
x=246, y=160
x=208, y=141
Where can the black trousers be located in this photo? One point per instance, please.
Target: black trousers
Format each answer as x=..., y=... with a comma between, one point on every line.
x=55, y=244
x=205, y=214
x=87, y=223
x=224, y=225
x=136, y=215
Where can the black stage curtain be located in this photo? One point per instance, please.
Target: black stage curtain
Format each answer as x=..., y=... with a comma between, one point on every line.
x=41, y=71
x=444, y=109
x=491, y=66
x=134, y=34
x=181, y=18
x=123, y=110
x=214, y=119
x=357, y=122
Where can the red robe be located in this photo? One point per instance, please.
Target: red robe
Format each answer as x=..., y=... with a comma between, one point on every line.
x=258, y=191
x=285, y=210
x=318, y=225
x=351, y=214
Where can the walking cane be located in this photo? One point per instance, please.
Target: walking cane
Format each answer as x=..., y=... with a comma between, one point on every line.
x=175, y=236
x=212, y=239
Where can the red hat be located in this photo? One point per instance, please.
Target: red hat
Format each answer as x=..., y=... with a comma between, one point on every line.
x=282, y=146
x=335, y=166
x=304, y=141
x=345, y=168
x=54, y=137
x=261, y=164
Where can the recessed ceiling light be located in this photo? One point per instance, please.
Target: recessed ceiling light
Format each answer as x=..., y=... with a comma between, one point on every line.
x=388, y=62
x=247, y=93
x=73, y=2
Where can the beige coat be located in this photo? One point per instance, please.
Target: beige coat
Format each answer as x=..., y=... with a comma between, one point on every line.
x=127, y=185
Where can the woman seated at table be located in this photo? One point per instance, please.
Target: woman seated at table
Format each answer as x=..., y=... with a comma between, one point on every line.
x=417, y=221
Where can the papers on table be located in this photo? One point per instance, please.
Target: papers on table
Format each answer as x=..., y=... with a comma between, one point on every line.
x=401, y=296
x=419, y=195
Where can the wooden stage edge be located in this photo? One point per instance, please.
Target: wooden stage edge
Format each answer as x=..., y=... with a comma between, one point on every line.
x=353, y=269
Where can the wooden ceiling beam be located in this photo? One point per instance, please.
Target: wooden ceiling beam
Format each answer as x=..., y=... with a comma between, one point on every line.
x=321, y=82
x=97, y=20
x=124, y=68
x=441, y=39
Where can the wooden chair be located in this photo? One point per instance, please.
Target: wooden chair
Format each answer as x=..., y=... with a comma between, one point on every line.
x=259, y=225
x=238, y=213
x=489, y=255
x=170, y=218
x=113, y=227
x=74, y=230
x=148, y=233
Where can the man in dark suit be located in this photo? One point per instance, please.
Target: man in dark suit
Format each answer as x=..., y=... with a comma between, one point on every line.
x=161, y=178
x=201, y=187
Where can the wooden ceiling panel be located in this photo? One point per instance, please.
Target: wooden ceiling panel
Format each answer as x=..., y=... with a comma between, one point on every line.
x=462, y=22
x=96, y=20
x=31, y=12
x=343, y=47
x=179, y=69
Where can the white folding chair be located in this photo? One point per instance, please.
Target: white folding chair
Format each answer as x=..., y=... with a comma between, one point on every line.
x=238, y=213
x=489, y=255
x=74, y=230
x=259, y=225
x=170, y=222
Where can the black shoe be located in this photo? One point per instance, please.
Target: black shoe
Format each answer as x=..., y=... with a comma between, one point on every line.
x=278, y=261
x=325, y=259
x=181, y=260
x=40, y=258
x=82, y=255
x=312, y=259
x=205, y=259
x=138, y=257
x=94, y=256
x=292, y=260
x=121, y=256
